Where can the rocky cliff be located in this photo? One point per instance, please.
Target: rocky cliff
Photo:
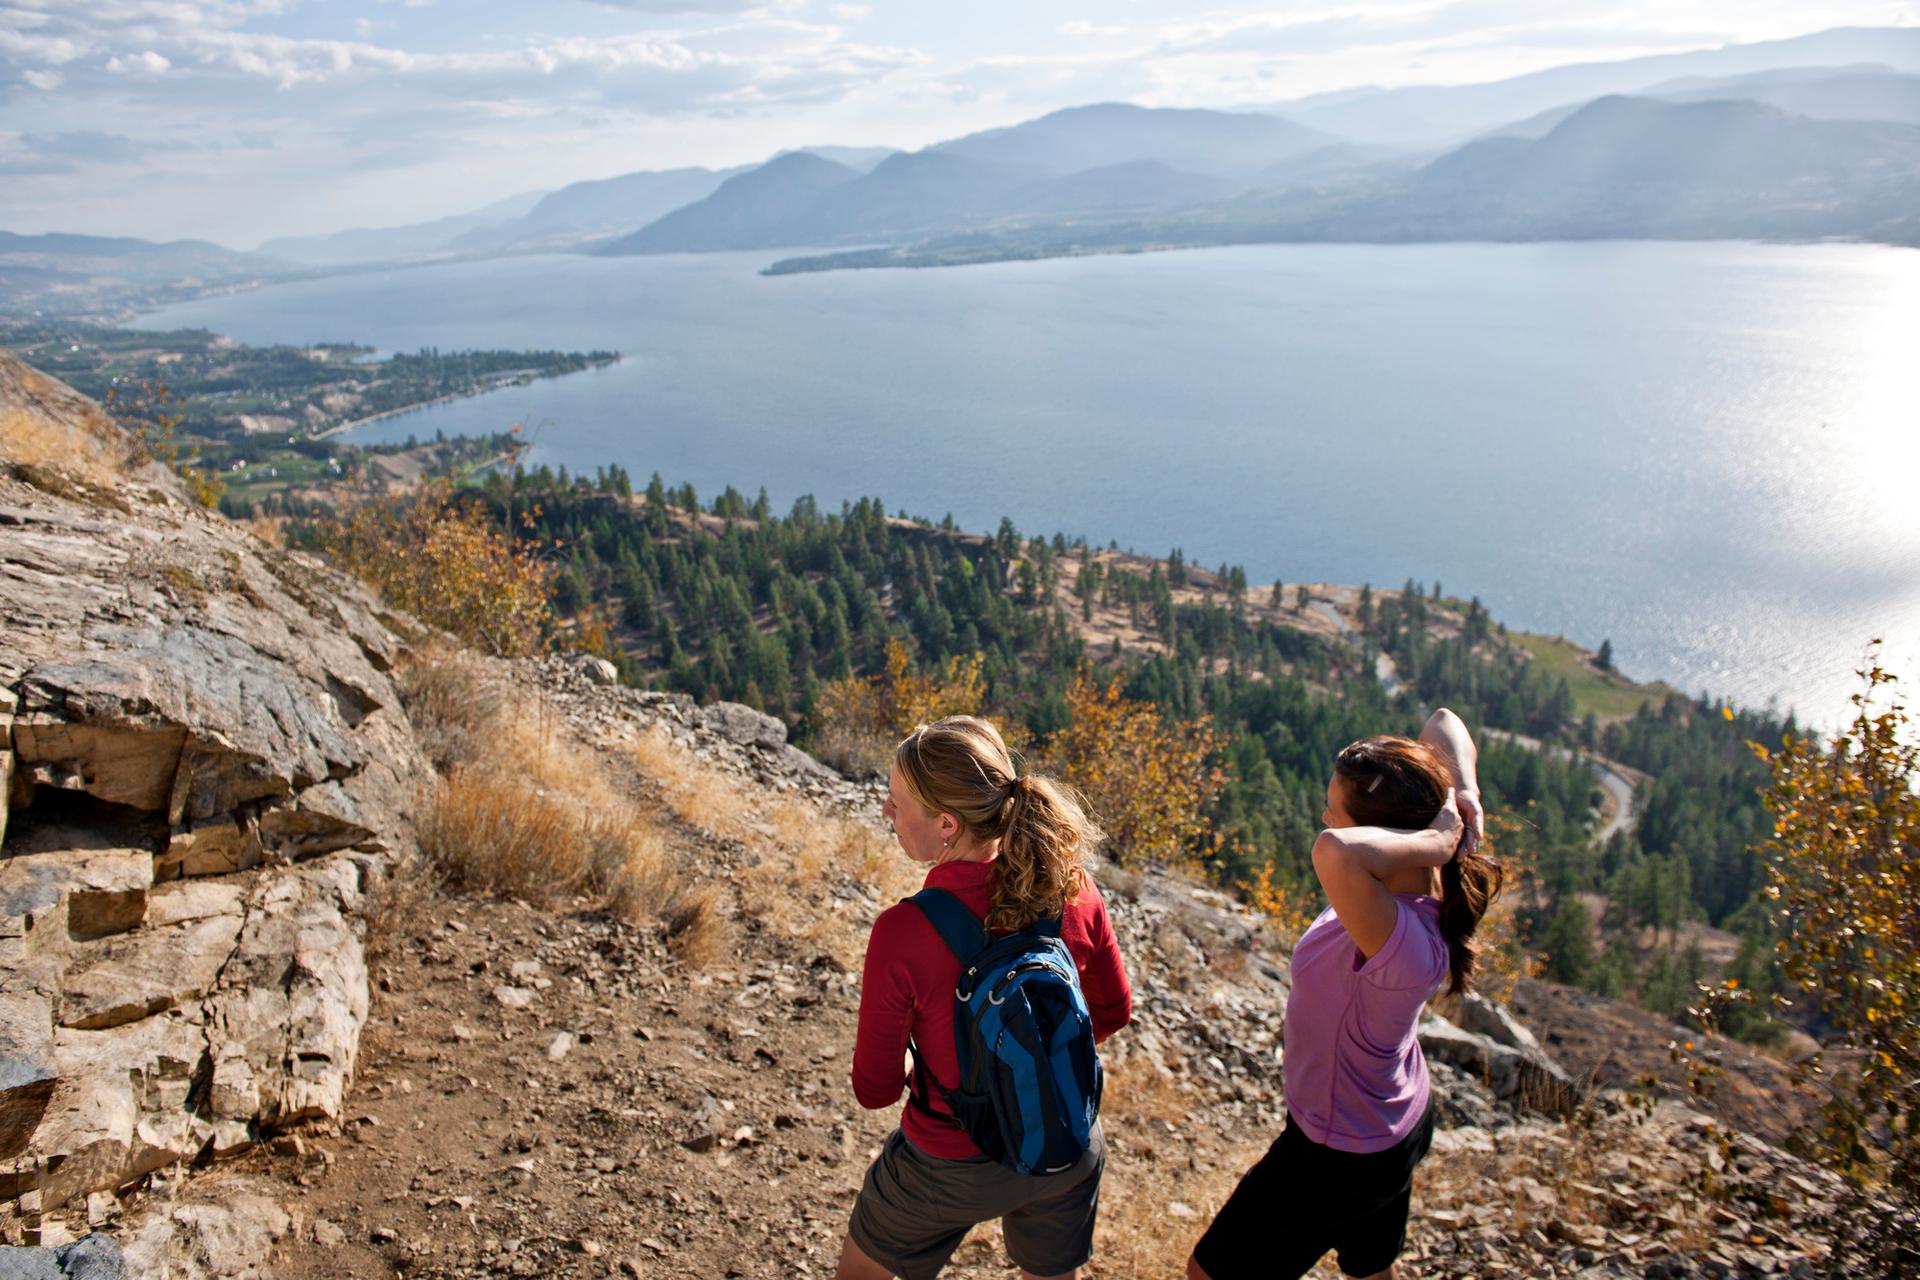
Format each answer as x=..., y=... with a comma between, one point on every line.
x=204, y=761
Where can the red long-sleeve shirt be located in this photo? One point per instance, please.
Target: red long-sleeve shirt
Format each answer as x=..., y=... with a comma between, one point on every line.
x=907, y=990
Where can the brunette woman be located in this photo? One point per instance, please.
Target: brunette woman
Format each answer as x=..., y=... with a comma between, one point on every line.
x=1401, y=865
x=1011, y=847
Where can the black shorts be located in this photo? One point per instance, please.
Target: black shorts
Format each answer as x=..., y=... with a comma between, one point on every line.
x=1303, y=1199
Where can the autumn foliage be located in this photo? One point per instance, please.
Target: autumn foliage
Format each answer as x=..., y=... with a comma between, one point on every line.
x=446, y=560
x=857, y=720
x=1149, y=779
x=1844, y=885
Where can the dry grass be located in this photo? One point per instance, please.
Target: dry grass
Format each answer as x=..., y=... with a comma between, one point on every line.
x=501, y=835
x=392, y=899
x=699, y=929
x=270, y=531
x=810, y=876
x=523, y=810
x=452, y=702
x=89, y=447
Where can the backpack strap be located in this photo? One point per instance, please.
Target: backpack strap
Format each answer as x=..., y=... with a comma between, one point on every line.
x=966, y=936
x=918, y=1094
x=963, y=932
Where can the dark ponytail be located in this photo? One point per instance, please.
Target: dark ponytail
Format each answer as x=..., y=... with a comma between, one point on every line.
x=1468, y=884
x=1398, y=782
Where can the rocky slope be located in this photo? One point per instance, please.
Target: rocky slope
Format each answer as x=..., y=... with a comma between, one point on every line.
x=556, y=1092
x=242, y=1033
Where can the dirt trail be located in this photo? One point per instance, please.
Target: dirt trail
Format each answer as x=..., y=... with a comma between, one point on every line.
x=552, y=1092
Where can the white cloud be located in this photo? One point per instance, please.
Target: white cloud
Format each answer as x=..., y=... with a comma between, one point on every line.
x=47, y=80
x=850, y=12
x=1080, y=29
x=683, y=6
x=146, y=62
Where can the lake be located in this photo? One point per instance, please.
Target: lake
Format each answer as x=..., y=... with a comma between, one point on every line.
x=1708, y=453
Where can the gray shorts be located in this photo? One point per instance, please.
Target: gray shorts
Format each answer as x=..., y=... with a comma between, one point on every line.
x=915, y=1209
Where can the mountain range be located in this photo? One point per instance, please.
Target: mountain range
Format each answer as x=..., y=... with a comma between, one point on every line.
x=1812, y=136
x=1441, y=116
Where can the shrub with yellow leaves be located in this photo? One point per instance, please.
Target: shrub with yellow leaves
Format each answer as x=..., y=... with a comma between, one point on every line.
x=448, y=562
x=1844, y=887
x=1288, y=908
x=857, y=720
x=1148, y=779
x=1501, y=937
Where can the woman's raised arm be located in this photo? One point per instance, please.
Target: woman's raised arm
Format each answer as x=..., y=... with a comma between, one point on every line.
x=1447, y=734
x=1354, y=864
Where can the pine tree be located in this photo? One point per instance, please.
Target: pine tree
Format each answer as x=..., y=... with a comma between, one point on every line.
x=1568, y=943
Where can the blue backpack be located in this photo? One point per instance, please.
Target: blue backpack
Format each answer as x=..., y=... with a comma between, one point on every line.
x=1030, y=1078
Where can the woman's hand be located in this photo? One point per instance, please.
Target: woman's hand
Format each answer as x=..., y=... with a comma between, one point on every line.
x=1472, y=817
x=1445, y=833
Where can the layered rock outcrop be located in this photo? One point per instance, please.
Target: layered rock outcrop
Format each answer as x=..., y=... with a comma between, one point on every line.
x=204, y=761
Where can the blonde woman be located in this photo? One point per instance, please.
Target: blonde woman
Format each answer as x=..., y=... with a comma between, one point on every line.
x=1010, y=849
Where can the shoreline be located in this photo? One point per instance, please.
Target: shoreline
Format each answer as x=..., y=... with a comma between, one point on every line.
x=451, y=397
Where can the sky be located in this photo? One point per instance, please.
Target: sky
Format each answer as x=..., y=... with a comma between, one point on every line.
x=239, y=120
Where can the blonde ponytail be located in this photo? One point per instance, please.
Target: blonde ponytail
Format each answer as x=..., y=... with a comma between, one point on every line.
x=960, y=765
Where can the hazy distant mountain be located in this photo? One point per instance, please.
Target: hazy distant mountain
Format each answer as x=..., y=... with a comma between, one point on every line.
x=583, y=212
x=73, y=274
x=1619, y=168
x=748, y=210
x=1137, y=184
x=1844, y=95
x=1435, y=116
x=913, y=192
x=129, y=254
x=1111, y=133
x=415, y=240
x=1823, y=93
x=1340, y=162
x=1639, y=167
x=858, y=159
x=800, y=199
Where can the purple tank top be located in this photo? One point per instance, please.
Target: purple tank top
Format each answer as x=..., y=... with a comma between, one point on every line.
x=1355, y=1078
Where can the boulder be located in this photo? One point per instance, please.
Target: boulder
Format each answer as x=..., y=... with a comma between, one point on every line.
x=229, y=1240
x=27, y=1074
x=293, y=996
x=320, y=820
x=179, y=717
x=182, y=901
x=235, y=1009
x=73, y=893
x=597, y=669
x=1530, y=1078
x=1496, y=1022
x=173, y=665
x=796, y=761
x=217, y=846
x=146, y=972
x=745, y=726
x=93, y=1257
x=30, y=1264
x=119, y=1107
